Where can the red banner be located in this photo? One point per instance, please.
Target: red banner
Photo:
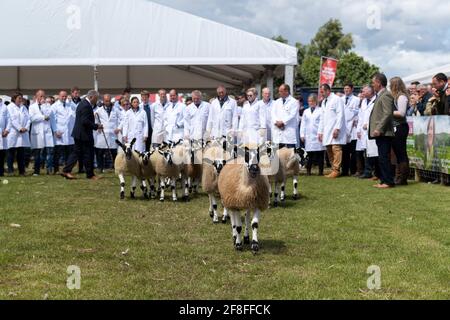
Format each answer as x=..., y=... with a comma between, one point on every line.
x=328, y=71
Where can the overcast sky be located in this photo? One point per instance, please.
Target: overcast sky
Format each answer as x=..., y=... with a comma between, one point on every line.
x=411, y=35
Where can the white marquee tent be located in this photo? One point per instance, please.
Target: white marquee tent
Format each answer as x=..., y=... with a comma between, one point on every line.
x=53, y=44
x=426, y=76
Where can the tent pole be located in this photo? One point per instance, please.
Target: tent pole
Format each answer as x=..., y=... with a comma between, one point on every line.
x=18, y=79
x=270, y=80
x=95, y=78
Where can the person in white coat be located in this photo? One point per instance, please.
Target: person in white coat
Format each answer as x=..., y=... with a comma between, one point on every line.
x=351, y=107
x=267, y=104
x=3, y=136
x=285, y=119
x=252, y=125
x=42, y=128
x=174, y=119
x=136, y=126
x=309, y=134
x=64, y=112
x=160, y=107
x=332, y=128
x=196, y=118
x=19, y=136
x=223, y=119
x=109, y=117
x=371, y=168
x=122, y=109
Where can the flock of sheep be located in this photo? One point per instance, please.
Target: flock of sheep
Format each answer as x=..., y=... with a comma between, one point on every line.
x=241, y=176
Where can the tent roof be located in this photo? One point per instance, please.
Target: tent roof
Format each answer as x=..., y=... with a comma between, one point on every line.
x=426, y=76
x=126, y=33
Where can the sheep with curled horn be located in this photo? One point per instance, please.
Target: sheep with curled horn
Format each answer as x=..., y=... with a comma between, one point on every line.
x=242, y=187
x=127, y=162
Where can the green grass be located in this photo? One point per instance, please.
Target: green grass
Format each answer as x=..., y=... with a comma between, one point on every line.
x=317, y=248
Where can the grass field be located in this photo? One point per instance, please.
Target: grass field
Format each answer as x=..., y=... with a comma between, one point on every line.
x=317, y=248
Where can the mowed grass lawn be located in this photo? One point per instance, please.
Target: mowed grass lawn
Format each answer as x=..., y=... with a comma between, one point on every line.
x=316, y=248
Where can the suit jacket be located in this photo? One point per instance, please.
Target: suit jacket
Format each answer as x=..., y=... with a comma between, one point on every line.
x=443, y=107
x=382, y=115
x=85, y=123
x=148, y=111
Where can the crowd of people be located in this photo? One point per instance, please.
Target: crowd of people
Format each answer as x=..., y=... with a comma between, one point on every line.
x=355, y=135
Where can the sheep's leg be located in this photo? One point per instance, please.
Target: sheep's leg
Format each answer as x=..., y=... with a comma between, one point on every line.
x=283, y=192
x=255, y=226
x=247, y=228
x=187, y=188
x=151, y=183
x=270, y=191
x=196, y=184
x=189, y=185
x=162, y=186
x=275, y=199
x=225, y=216
x=233, y=226
x=238, y=221
x=122, y=186
x=214, y=215
x=145, y=189
x=133, y=188
x=296, y=196
x=174, y=190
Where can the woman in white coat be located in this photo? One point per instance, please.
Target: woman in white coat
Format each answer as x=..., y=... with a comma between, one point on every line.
x=3, y=137
x=136, y=126
x=110, y=119
x=42, y=127
x=252, y=126
x=19, y=136
x=310, y=136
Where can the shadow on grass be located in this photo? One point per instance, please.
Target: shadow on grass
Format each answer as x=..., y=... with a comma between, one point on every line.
x=273, y=246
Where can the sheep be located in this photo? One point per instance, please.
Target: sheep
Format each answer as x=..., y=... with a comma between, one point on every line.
x=148, y=171
x=127, y=162
x=166, y=167
x=291, y=160
x=243, y=187
x=214, y=159
x=192, y=168
x=272, y=168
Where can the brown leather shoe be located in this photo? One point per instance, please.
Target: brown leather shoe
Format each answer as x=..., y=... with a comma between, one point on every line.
x=95, y=178
x=375, y=179
x=68, y=176
x=383, y=186
x=333, y=175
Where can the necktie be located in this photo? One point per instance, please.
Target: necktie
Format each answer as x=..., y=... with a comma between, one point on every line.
x=284, y=100
x=326, y=100
x=108, y=109
x=346, y=100
x=313, y=109
x=39, y=106
x=64, y=104
x=368, y=101
x=198, y=105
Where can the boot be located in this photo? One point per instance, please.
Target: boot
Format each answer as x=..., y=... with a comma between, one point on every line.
x=404, y=172
x=398, y=175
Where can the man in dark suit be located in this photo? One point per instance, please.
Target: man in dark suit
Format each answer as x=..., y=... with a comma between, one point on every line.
x=83, y=134
x=148, y=108
x=382, y=129
x=440, y=83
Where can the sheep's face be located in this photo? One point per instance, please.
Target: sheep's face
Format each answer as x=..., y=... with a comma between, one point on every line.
x=302, y=156
x=219, y=165
x=252, y=162
x=168, y=155
x=127, y=148
x=146, y=157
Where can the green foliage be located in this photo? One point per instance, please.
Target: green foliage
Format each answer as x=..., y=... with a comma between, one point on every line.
x=330, y=41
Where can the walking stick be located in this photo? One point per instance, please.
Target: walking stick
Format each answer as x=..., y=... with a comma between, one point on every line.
x=106, y=139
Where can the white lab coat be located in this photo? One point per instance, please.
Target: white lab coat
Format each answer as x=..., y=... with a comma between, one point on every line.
x=136, y=126
x=333, y=118
x=110, y=124
x=3, y=125
x=309, y=129
x=174, y=122
x=18, y=118
x=65, y=121
x=268, y=108
x=361, y=144
x=288, y=113
x=351, y=115
x=122, y=114
x=223, y=121
x=196, y=120
x=41, y=129
x=159, y=130
x=372, y=148
x=253, y=120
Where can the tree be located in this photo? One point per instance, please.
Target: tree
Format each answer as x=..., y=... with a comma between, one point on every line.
x=330, y=41
x=308, y=72
x=353, y=68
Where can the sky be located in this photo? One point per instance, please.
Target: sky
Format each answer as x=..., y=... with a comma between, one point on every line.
x=402, y=37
